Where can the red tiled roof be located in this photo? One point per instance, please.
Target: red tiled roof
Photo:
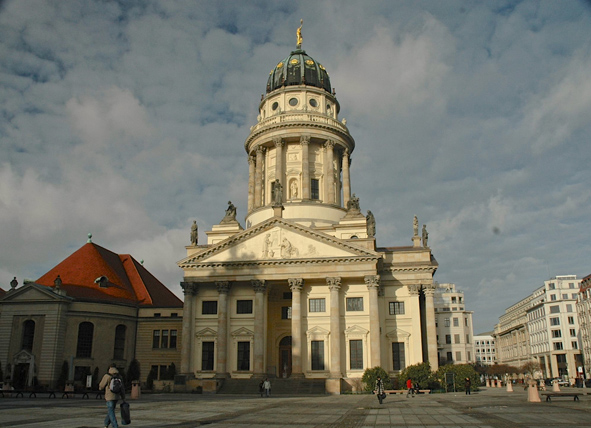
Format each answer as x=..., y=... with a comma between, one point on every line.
x=128, y=281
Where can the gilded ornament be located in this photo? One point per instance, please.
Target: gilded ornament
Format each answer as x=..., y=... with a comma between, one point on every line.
x=309, y=62
x=295, y=61
x=280, y=65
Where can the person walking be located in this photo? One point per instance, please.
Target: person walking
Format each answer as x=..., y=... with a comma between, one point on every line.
x=379, y=389
x=267, y=387
x=410, y=388
x=111, y=397
x=468, y=385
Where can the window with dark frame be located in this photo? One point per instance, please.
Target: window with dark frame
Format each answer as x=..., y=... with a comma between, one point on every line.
x=207, y=353
x=28, y=335
x=356, y=354
x=209, y=307
x=156, y=339
x=173, y=337
x=244, y=306
x=286, y=312
x=398, y=357
x=243, y=360
x=164, y=340
x=119, y=347
x=84, y=345
x=317, y=351
x=317, y=305
x=314, y=189
x=396, y=308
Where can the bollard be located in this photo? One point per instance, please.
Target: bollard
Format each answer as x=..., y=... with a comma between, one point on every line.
x=555, y=386
x=487, y=383
x=509, y=387
x=136, y=390
x=532, y=392
x=499, y=383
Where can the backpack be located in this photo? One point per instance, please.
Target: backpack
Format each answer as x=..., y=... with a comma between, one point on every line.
x=116, y=385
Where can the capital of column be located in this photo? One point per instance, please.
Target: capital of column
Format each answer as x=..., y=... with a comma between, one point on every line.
x=251, y=160
x=329, y=144
x=414, y=289
x=334, y=283
x=295, y=284
x=278, y=142
x=260, y=149
x=223, y=287
x=189, y=288
x=258, y=285
x=305, y=139
x=429, y=289
x=372, y=281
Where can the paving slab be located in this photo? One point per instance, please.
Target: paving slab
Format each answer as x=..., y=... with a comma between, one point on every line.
x=486, y=408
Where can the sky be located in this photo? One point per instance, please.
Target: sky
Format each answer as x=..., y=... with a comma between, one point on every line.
x=127, y=120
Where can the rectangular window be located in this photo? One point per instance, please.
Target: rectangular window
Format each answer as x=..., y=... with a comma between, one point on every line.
x=556, y=333
x=467, y=338
x=286, y=312
x=173, y=336
x=552, y=297
x=396, y=308
x=398, y=357
x=354, y=303
x=574, y=296
x=453, y=299
x=207, y=352
x=314, y=189
x=575, y=345
x=356, y=354
x=555, y=321
x=565, y=296
x=456, y=322
x=446, y=322
x=317, y=305
x=466, y=322
x=569, y=308
x=571, y=285
x=448, y=338
x=456, y=338
x=573, y=332
x=555, y=309
x=317, y=354
x=243, y=362
x=449, y=357
x=156, y=339
x=557, y=346
x=551, y=286
x=209, y=307
x=458, y=356
x=244, y=306
x=164, y=342
x=571, y=320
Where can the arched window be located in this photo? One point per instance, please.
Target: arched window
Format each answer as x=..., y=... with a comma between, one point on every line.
x=28, y=335
x=85, y=333
x=119, y=350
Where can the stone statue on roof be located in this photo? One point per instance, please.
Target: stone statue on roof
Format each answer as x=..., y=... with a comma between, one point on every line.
x=425, y=235
x=277, y=193
x=13, y=283
x=194, y=233
x=415, y=226
x=299, y=34
x=371, y=225
x=230, y=216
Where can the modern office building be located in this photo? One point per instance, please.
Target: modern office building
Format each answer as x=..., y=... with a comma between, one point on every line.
x=485, y=349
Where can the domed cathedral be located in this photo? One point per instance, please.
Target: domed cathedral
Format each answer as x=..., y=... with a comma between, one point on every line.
x=303, y=291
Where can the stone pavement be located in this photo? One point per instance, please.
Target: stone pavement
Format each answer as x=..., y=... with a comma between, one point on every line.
x=488, y=408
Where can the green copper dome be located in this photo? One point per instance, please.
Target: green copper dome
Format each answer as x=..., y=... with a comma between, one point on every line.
x=298, y=69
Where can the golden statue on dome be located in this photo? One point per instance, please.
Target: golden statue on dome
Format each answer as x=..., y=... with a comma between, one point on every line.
x=299, y=34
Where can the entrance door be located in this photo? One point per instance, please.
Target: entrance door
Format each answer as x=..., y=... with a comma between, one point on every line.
x=285, y=357
x=21, y=376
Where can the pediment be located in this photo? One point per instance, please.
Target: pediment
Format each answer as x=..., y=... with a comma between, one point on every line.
x=206, y=332
x=277, y=240
x=317, y=331
x=356, y=330
x=32, y=292
x=397, y=334
x=23, y=356
x=242, y=331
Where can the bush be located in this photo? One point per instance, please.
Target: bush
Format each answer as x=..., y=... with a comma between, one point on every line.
x=420, y=374
x=150, y=379
x=133, y=373
x=461, y=372
x=370, y=376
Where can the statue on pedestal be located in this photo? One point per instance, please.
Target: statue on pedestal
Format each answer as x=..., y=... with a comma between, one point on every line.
x=194, y=233
x=371, y=225
x=230, y=216
x=425, y=235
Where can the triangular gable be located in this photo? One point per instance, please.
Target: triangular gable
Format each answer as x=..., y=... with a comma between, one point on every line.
x=206, y=332
x=242, y=331
x=32, y=292
x=398, y=334
x=278, y=239
x=356, y=330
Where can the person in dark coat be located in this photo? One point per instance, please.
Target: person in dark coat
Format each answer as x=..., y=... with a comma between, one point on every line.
x=468, y=385
x=379, y=389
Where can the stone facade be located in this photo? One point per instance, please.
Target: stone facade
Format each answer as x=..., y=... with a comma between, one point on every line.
x=303, y=290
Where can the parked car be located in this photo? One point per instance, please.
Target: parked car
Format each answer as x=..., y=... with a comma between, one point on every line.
x=561, y=382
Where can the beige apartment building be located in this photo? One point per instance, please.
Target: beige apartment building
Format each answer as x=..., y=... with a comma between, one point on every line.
x=303, y=290
x=584, y=317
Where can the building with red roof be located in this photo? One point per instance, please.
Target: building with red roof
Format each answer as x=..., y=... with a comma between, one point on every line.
x=93, y=309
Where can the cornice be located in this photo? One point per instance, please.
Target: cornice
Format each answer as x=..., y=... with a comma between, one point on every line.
x=281, y=262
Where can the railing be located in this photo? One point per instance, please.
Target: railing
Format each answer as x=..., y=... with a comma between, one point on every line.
x=284, y=118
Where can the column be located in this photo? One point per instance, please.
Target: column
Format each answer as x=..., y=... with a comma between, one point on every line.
x=258, y=179
x=259, y=326
x=330, y=170
x=373, y=285
x=305, y=142
x=251, y=180
x=279, y=161
x=222, y=342
x=295, y=285
x=334, y=285
x=189, y=290
x=416, y=352
x=346, y=178
x=429, y=290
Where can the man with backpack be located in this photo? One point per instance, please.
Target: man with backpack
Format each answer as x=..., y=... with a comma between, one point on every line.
x=112, y=384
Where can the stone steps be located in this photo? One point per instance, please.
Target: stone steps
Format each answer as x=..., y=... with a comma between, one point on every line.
x=278, y=386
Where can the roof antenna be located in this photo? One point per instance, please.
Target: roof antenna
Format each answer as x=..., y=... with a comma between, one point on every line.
x=299, y=33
